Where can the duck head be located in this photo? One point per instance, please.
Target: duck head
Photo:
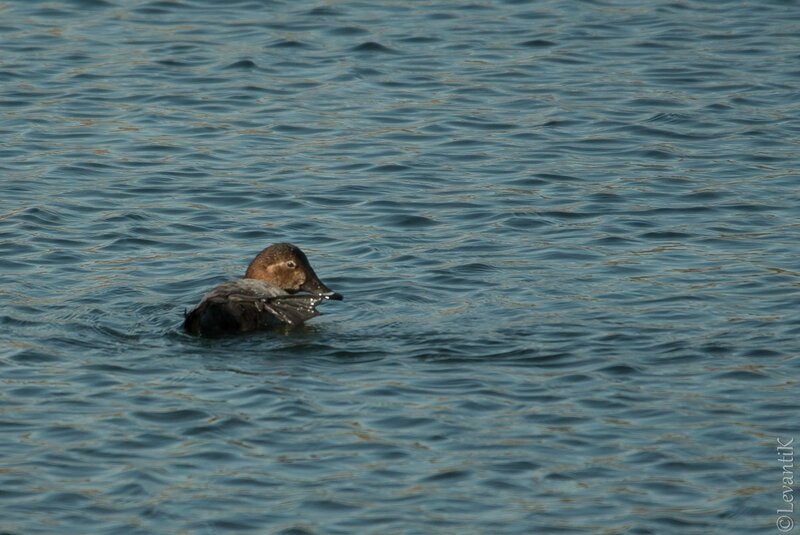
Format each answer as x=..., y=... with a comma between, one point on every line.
x=287, y=267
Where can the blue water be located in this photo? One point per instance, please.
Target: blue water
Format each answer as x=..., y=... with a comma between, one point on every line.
x=567, y=234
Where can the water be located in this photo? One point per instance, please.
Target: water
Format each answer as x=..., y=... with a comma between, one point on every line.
x=566, y=233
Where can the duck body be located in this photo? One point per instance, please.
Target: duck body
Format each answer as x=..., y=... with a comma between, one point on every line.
x=279, y=288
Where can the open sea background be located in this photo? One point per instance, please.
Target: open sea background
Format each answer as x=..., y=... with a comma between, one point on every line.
x=567, y=234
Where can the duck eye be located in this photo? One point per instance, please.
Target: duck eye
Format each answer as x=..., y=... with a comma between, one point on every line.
x=290, y=264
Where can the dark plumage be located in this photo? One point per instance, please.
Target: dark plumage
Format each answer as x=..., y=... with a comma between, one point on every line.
x=279, y=288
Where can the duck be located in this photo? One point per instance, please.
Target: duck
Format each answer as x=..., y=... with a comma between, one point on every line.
x=279, y=288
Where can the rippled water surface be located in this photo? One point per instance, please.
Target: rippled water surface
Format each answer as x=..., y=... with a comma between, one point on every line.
x=567, y=234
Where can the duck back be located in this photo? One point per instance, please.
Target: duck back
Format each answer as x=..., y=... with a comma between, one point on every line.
x=248, y=305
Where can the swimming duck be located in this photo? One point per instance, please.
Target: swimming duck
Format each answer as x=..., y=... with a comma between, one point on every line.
x=266, y=297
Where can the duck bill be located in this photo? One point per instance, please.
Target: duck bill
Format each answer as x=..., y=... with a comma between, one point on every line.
x=315, y=286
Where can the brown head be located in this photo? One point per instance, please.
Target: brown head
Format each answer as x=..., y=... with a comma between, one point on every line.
x=287, y=267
